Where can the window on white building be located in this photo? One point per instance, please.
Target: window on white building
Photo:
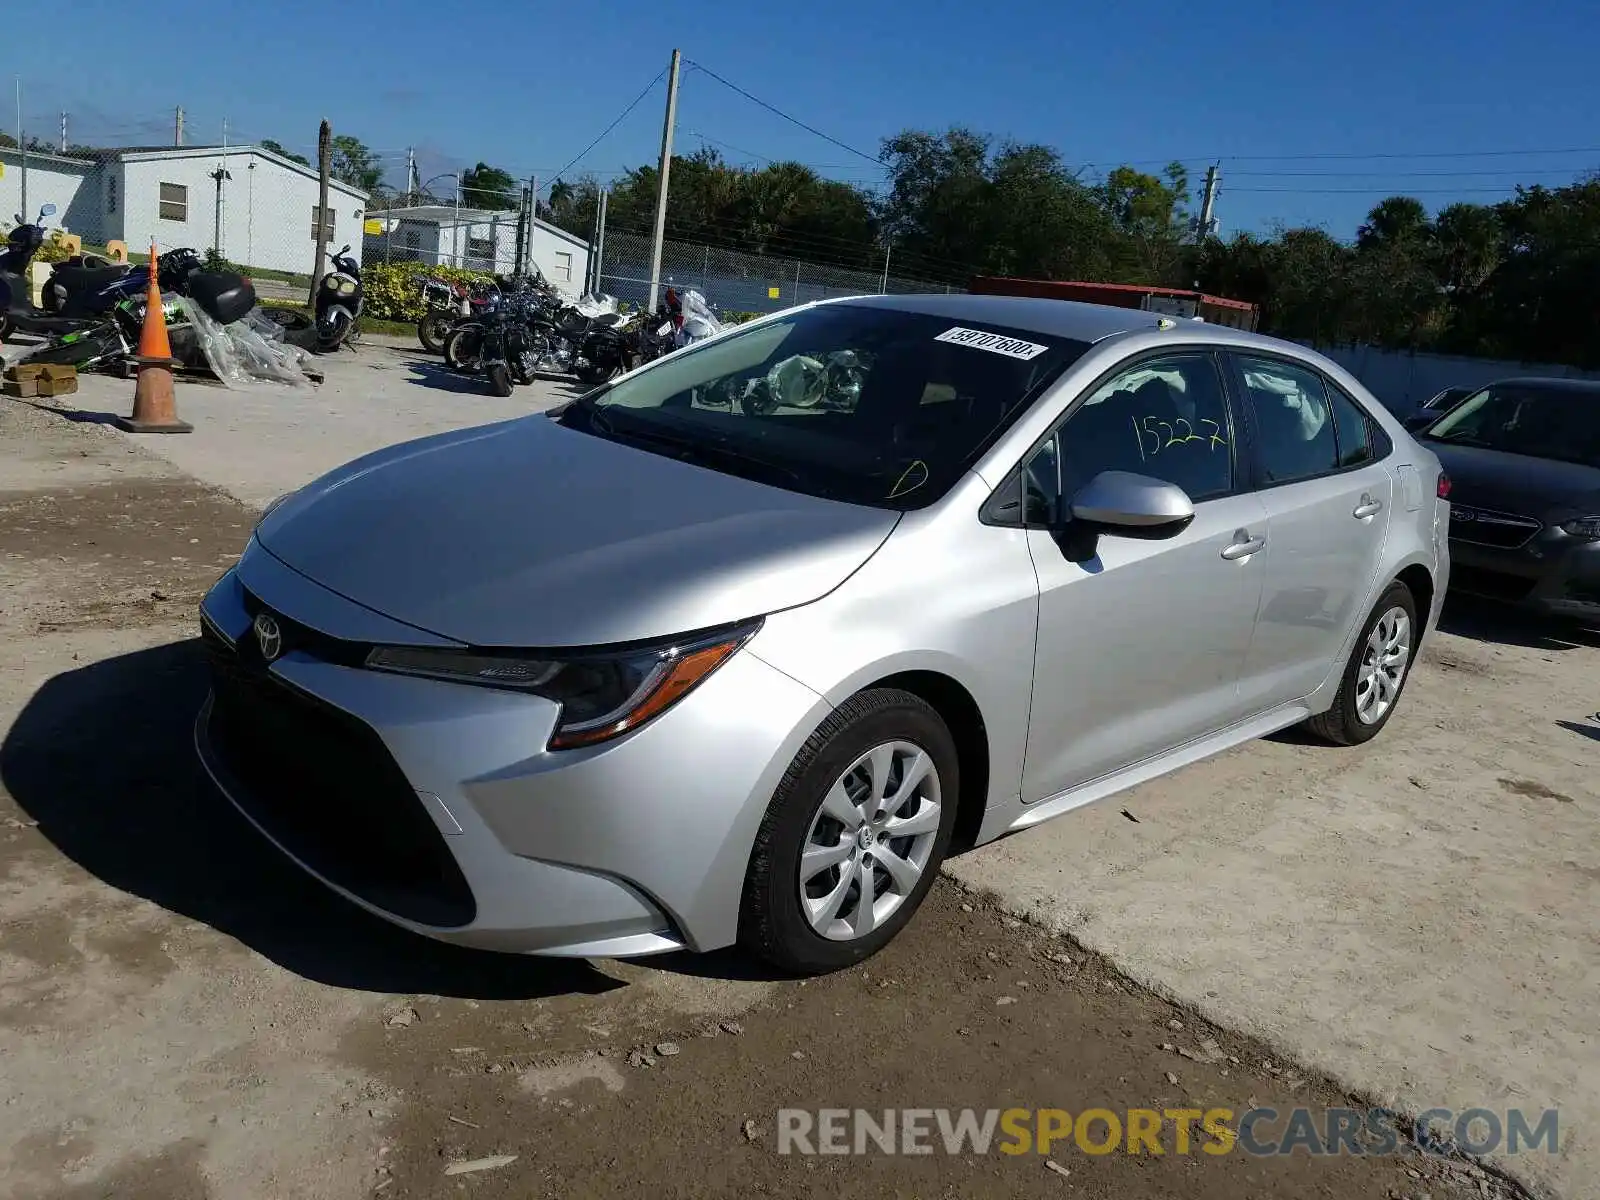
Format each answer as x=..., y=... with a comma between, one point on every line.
x=481, y=249
x=174, y=205
x=561, y=269
x=327, y=217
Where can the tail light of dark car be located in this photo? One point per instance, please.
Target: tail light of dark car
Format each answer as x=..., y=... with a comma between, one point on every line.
x=1442, y=488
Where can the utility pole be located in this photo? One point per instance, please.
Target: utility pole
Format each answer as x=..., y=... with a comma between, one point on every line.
x=600, y=241
x=63, y=133
x=324, y=169
x=1208, y=200
x=533, y=222
x=177, y=127
x=883, y=288
x=666, y=170
x=455, y=229
x=411, y=175
x=524, y=228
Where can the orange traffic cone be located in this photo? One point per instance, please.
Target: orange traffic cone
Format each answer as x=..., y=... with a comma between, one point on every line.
x=155, y=408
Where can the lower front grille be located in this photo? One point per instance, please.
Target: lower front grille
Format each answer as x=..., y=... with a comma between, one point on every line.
x=1495, y=585
x=325, y=786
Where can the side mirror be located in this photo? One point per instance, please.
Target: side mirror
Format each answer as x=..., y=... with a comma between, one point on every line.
x=48, y=210
x=1130, y=505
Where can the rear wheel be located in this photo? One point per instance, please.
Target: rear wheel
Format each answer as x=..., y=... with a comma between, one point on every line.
x=432, y=331
x=854, y=835
x=499, y=379
x=1376, y=674
x=594, y=374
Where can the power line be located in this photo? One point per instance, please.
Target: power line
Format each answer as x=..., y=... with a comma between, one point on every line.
x=649, y=87
x=811, y=129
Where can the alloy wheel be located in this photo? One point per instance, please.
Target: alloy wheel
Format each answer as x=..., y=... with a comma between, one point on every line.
x=1383, y=665
x=870, y=841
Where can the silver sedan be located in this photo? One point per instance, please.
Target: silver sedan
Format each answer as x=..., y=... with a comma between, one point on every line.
x=736, y=647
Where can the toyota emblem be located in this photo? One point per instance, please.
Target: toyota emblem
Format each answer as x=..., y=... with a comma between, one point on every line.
x=269, y=637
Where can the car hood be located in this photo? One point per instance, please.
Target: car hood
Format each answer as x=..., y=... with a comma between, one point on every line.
x=525, y=533
x=1515, y=483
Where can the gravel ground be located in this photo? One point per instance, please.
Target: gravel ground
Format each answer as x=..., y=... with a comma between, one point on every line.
x=184, y=1015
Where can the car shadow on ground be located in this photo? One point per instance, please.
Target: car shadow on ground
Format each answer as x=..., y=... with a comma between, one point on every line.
x=103, y=758
x=1486, y=621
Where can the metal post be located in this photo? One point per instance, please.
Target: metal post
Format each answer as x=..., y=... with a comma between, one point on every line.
x=63, y=133
x=666, y=171
x=705, y=270
x=797, y=281
x=22, y=148
x=533, y=222
x=522, y=231
x=455, y=230
x=324, y=170
x=883, y=288
x=177, y=127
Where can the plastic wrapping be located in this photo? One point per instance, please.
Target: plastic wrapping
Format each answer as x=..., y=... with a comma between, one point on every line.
x=248, y=351
x=699, y=322
x=593, y=305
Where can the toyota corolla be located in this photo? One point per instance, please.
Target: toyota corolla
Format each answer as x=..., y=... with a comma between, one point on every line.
x=736, y=647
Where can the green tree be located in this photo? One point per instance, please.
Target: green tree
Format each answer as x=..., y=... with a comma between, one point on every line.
x=282, y=151
x=489, y=187
x=354, y=164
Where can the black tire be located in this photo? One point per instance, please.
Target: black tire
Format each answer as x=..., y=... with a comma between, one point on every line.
x=461, y=349
x=499, y=379
x=772, y=924
x=1342, y=724
x=594, y=375
x=432, y=331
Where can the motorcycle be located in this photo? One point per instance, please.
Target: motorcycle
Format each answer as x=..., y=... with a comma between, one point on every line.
x=446, y=303
x=338, y=303
x=607, y=351
x=78, y=290
x=109, y=341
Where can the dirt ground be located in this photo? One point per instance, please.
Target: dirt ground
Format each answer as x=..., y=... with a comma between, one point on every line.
x=183, y=1015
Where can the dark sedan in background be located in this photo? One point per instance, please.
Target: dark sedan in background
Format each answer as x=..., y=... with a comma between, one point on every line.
x=1523, y=458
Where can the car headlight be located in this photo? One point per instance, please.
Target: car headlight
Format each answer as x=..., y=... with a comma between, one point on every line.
x=1587, y=528
x=602, y=695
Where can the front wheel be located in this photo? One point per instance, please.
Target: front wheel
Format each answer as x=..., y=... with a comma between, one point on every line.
x=854, y=835
x=461, y=349
x=499, y=379
x=432, y=331
x=1376, y=672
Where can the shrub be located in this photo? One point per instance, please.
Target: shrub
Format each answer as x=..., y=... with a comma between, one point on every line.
x=393, y=291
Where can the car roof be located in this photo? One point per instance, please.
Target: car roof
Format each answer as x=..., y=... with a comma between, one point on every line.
x=1058, y=318
x=1555, y=383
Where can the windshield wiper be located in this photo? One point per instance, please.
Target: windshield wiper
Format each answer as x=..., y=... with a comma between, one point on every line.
x=706, y=453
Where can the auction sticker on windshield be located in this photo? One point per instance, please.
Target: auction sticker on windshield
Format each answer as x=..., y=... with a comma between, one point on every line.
x=994, y=343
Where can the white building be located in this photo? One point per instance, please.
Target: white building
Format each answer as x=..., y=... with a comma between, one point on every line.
x=479, y=239
x=170, y=195
x=51, y=180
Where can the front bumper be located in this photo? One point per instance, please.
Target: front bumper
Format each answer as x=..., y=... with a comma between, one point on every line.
x=436, y=806
x=1553, y=573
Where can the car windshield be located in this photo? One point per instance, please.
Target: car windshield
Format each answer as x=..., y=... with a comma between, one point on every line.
x=1541, y=422
x=856, y=402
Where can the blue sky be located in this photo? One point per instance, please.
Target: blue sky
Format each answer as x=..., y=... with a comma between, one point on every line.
x=1276, y=92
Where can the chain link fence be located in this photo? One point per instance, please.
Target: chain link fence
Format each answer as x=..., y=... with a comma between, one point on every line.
x=255, y=206
x=735, y=280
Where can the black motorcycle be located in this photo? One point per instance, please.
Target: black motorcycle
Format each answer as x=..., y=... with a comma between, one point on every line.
x=338, y=303
x=75, y=295
x=612, y=349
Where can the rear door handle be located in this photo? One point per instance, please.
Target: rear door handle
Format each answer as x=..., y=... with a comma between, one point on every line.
x=1367, y=508
x=1243, y=549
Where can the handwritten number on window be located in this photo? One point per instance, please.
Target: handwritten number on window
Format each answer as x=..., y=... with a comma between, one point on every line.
x=1155, y=435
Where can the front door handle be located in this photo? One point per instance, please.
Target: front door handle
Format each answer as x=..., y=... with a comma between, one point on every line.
x=1367, y=508
x=1244, y=549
